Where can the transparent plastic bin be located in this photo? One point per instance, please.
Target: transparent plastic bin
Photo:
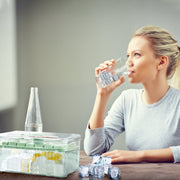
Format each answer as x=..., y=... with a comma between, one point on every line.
x=49, y=154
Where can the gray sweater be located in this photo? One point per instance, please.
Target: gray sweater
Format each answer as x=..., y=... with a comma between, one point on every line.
x=152, y=126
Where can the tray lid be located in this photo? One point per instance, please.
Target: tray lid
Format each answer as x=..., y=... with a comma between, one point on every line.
x=39, y=140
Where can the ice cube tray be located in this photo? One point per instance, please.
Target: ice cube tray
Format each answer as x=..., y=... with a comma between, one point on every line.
x=49, y=154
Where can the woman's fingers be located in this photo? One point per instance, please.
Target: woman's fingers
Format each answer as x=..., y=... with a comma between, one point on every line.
x=108, y=153
x=103, y=66
x=124, y=156
x=119, y=81
x=110, y=62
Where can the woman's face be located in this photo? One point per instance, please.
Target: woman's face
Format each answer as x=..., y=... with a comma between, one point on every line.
x=142, y=63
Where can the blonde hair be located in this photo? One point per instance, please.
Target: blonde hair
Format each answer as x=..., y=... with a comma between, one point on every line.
x=164, y=44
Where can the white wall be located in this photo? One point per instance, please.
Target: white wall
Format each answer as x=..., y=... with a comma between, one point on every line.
x=60, y=42
x=8, y=81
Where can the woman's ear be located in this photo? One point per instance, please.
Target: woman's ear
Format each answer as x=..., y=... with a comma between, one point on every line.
x=163, y=62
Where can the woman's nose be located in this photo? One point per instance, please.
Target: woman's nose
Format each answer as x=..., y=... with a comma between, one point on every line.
x=129, y=63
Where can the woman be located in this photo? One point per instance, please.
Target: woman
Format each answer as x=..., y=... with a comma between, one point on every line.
x=150, y=116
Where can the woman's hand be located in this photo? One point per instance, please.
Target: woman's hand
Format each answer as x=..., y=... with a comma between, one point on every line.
x=119, y=156
x=107, y=65
x=154, y=155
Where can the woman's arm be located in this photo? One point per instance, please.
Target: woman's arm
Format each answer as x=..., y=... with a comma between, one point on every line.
x=95, y=141
x=97, y=116
x=102, y=97
x=156, y=155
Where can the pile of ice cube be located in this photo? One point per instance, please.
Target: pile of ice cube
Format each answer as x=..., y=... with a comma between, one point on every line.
x=100, y=166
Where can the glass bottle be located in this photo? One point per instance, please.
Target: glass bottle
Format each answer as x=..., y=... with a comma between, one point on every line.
x=33, y=117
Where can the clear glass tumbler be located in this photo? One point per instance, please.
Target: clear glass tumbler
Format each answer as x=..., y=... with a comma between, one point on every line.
x=113, y=73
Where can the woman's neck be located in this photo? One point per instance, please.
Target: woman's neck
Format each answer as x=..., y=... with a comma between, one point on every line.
x=155, y=91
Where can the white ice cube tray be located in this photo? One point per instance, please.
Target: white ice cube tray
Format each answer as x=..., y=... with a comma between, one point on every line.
x=49, y=154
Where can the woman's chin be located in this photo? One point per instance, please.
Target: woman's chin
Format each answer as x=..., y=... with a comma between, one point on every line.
x=133, y=81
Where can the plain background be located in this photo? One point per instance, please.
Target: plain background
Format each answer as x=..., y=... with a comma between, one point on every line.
x=59, y=44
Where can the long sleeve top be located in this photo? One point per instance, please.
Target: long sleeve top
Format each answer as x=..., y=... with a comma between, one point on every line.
x=153, y=126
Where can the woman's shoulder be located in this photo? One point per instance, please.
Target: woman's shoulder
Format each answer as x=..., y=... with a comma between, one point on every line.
x=175, y=92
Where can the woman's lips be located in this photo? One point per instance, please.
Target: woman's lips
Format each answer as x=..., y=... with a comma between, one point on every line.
x=131, y=72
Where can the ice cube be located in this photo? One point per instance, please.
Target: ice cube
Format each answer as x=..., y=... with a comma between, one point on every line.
x=91, y=166
x=106, y=168
x=50, y=167
x=98, y=171
x=106, y=160
x=96, y=159
x=41, y=161
x=25, y=165
x=84, y=171
x=114, y=173
x=14, y=163
x=59, y=170
x=101, y=160
x=34, y=169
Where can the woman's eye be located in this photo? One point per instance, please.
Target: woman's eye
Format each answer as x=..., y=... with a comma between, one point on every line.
x=137, y=54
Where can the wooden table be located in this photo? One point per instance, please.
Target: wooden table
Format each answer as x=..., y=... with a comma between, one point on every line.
x=130, y=171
